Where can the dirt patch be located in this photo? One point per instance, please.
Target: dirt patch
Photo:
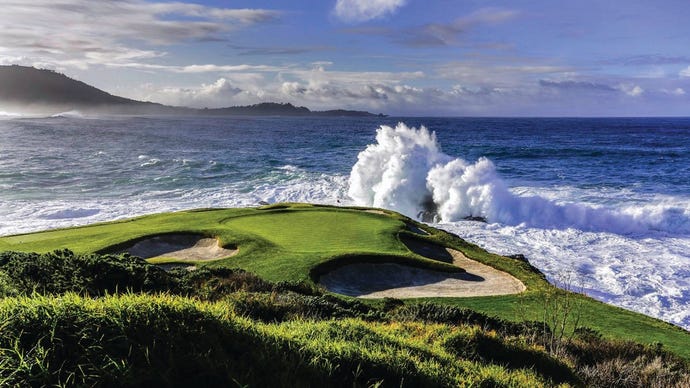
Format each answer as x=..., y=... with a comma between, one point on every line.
x=380, y=280
x=188, y=247
x=375, y=211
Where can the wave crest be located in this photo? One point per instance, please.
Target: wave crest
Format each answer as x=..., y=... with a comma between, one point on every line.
x=406, y=171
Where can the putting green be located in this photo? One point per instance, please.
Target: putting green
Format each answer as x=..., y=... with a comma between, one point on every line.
x=280, y=242
x=323, y=230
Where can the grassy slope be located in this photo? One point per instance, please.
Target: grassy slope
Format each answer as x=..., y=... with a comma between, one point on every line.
x=286, y=242
x=135, y=340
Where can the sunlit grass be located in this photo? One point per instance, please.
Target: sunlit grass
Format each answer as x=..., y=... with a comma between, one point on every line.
x=288, y=242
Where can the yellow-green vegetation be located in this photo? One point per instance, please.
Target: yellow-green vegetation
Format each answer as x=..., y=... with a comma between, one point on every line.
x=66, y=321
x=223, y=325
x=173, y=341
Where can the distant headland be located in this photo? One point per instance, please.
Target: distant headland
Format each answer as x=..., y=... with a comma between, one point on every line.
x=28, y=89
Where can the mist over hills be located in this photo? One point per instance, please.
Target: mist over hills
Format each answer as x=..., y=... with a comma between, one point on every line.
x=30, y=90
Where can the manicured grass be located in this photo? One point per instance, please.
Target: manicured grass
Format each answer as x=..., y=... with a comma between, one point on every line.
x=287, y=242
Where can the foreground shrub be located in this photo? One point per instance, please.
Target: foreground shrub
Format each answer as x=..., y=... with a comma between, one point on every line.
x=606, y=363
x=139, y=340
x=488, y=347
x=63, y=271
x=215, y=283
x=432, y=312
x=280, y=307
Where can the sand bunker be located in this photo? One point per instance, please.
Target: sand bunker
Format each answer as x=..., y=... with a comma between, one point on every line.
x=189, y=247
x=414, y=229
x=380, y=280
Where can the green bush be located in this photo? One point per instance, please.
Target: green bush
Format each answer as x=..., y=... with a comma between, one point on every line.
x=63, y=271
x=452, y=315
x=215, y=283
x=280, y=307
x=482, y=346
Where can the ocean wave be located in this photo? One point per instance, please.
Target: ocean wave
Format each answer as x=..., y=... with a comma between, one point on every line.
x=70, y=114
x=648, y=275
x=9, y=115
x=407, y=171
x=69, y=213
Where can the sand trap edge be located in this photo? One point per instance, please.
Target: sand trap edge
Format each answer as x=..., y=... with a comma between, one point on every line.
x=185, y=247
x=380, y=278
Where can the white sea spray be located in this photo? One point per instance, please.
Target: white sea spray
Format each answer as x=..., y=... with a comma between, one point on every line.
x=407, y=171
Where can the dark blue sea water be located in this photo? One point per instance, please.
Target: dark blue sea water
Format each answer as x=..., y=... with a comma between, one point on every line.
x=603, y=203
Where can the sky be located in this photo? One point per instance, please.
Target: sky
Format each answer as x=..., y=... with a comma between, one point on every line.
x=398, y=57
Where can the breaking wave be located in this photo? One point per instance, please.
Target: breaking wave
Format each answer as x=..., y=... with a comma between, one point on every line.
x=72, y=114
x=407, y=171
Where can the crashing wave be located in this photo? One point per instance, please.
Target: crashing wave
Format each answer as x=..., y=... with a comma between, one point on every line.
x=407, y=171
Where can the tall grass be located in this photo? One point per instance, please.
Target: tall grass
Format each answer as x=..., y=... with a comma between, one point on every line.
x=160, y=339
x=134, y=340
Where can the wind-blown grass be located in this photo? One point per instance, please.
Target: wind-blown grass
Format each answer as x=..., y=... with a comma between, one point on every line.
x=293, y=242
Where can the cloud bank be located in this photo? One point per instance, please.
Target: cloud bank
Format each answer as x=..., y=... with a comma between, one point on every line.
x=80, y=33
x=364, y=10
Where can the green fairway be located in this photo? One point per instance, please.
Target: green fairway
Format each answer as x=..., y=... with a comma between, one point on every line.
x=289, y=242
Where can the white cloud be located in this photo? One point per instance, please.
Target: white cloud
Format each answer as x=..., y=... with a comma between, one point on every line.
x=220, y=93
x=685, y=72
x=631, y=90
x=674, y=92
x=85, y=32
x=318, y=88
x=363, y=10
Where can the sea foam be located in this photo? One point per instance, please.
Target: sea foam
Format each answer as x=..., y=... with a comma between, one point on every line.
x=407, y=171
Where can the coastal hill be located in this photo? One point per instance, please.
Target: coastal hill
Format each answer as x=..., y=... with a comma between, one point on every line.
x=36, y=90
x=27, y=89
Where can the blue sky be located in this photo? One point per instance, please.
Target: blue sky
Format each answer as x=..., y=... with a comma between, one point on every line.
x=401, y=57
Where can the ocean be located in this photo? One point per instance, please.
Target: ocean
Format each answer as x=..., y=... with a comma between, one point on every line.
x=600, y=204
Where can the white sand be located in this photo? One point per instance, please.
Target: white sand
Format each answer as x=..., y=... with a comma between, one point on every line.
x=187, y=247
x=371, y=280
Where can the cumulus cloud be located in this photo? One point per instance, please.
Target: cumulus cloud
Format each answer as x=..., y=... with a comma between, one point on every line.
x=631, y=90
x=363, y=10
x=514, y=88
x=685, y=72
x=222, y=92
x=84, y=32
x=316, y=87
